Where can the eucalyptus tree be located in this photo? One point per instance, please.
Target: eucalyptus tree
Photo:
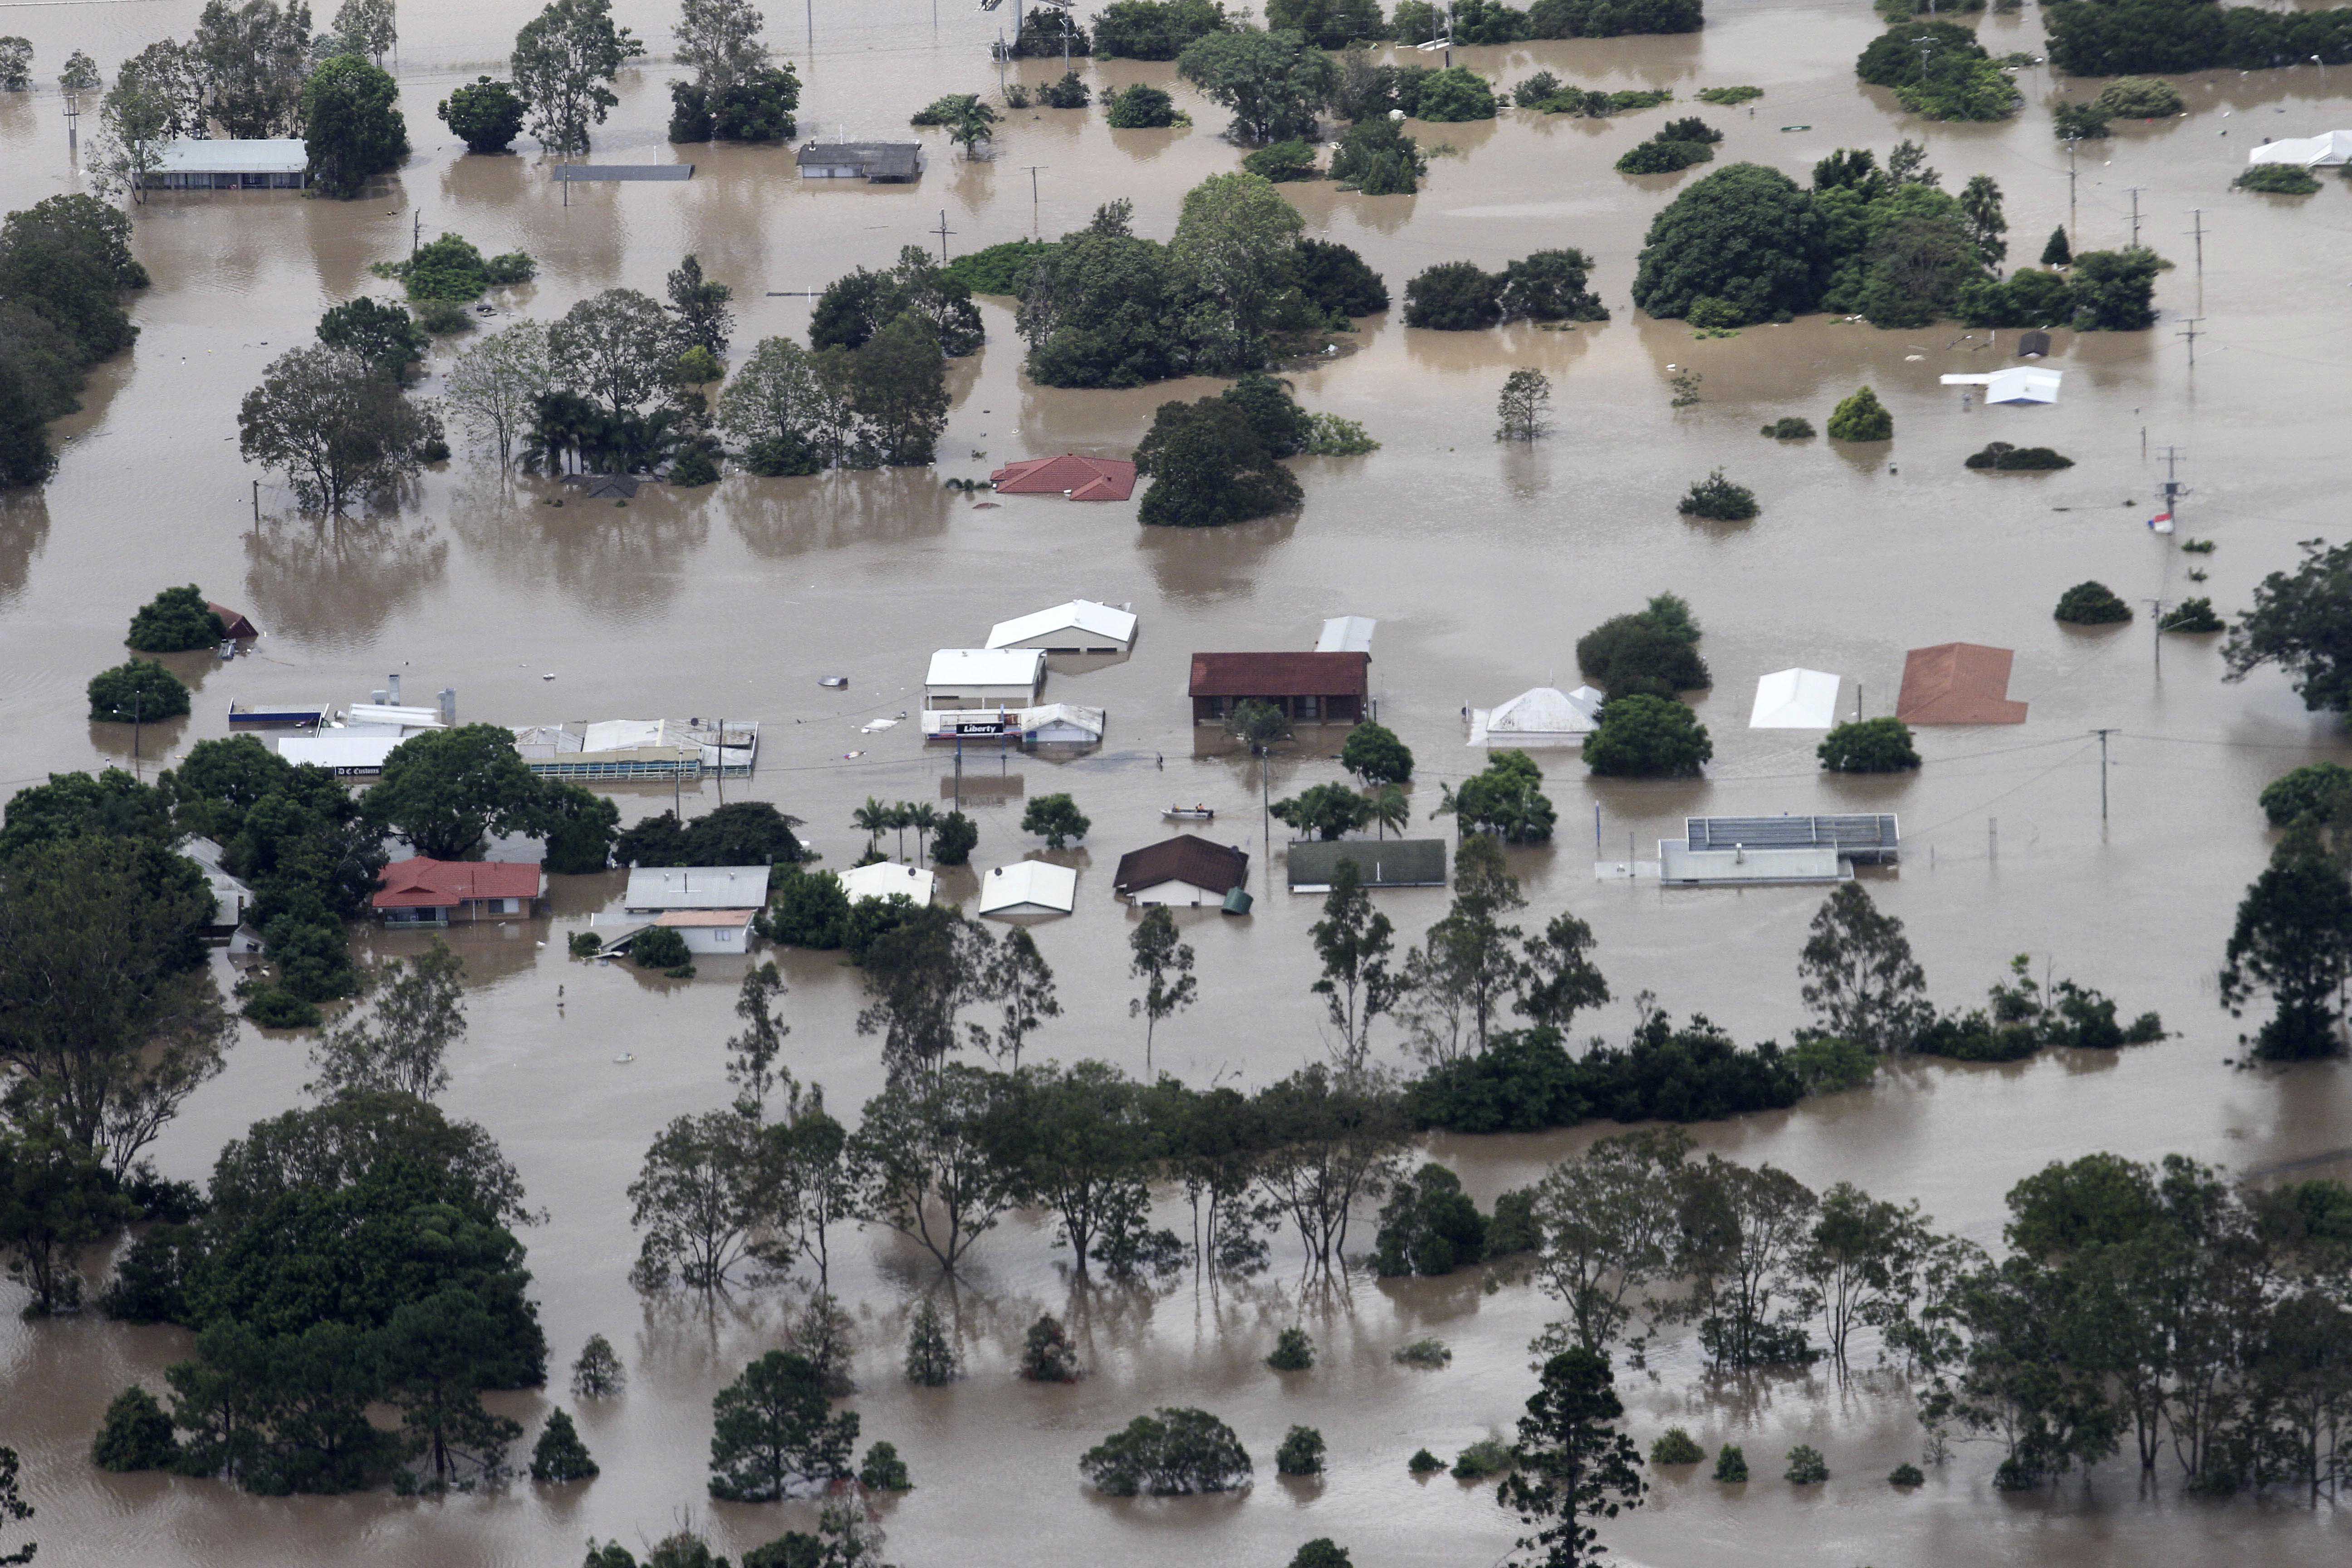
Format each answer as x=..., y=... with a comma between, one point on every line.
x=563, y=64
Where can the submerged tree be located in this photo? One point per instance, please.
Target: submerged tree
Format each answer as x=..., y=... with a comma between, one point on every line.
x=1524, y=406
x=564, y=61
x=774, y=1430
x=334, y=424
x=1858, y=974
x=2293, y=939
x=1165, y=963
x=416, y=1012
x=1570, y=1464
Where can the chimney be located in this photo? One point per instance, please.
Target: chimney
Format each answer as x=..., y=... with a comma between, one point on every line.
x=449, y=707
x=392, y=687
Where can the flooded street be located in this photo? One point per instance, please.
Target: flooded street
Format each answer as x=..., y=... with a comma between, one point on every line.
x=1482, y=565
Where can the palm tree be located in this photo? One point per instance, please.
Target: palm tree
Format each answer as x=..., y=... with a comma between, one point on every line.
x=870, y=819
x=902, y=816
x=922, y=816
x=1390, y=809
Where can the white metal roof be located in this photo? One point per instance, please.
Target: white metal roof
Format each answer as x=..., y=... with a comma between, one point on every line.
x=332, y=749
x=2017, y=384
x=390, y=713
x=1029, y=887
x=1795, y=700
x=622, y=734
x=1347, y=634
x=1084, y=614
x=953, y=667
x=1544, y=715
x=1089, y=720
x=290, y=155
x=656, y=887
x=885, y=878
x=2329, y=150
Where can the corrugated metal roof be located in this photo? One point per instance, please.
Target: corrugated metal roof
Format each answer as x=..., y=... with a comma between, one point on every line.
x=1381, y=863
x=1280, y=674
x=884, y=878
x=288, y=155
x=1347, y=634
x=1957, y=683
x=1187, y=857
x=655, y=888
x=1029, y=886
x=987, y=667
x=1081, y=614
x=337, y=750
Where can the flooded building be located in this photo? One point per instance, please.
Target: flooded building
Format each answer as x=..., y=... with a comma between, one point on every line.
x=985, y=677
x=1307, y=688
x=427, y=892
x=882, y=162
x=1185, y=870
x=232, y=164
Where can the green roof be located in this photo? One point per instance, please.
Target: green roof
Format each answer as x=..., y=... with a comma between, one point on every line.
x=1381, y=863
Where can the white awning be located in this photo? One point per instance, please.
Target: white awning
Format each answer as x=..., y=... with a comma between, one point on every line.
x=1029, y=887
x=1795, y=700
x=1347, y=634
x=885, y=878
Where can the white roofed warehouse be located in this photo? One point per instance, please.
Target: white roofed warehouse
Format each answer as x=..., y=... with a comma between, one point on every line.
x=1080, y=626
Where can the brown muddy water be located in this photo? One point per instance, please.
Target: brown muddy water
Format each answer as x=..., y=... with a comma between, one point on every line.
x=1483, y=566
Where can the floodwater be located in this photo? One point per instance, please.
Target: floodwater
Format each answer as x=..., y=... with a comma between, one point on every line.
x=1482, y=564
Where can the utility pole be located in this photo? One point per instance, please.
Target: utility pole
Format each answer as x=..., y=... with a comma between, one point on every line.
x=2190, y=332
x=2071, y=141
x=999, y=62
x=1925, y=43
x=1034, y=221
x=2156, y=614
x=2197, y=232
x=2103, y=735
x=812, y=30
x=943, y=232
x=2173, y=488
x=417, y=234
x=2135, y=191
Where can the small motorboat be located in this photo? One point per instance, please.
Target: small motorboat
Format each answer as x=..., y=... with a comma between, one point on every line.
x=832, y=682
x=1191, y=813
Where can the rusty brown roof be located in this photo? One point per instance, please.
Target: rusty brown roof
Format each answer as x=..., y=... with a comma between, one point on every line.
x=1280, y=674
x=1187, y=857
x=1957, y=683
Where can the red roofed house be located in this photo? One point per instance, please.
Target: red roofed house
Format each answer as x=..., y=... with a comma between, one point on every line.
x=1957, y=683
x=1080, y=479
x=233, y=625
x=434, y=892
x=1318, y=687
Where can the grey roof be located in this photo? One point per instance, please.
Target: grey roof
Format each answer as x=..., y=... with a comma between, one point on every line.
x=658, y=888
x=581, y=174
x=233, y=155
x=879, y=160
x=1870, y=840
x=1379, y=862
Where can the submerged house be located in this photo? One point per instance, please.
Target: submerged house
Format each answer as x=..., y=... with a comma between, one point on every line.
x=1186, y=870
x=1539, y=716
x=883, y=163
x=231, y=163
x=1069, y=476
x=985, y=677
x=1795, y=700
x=1379, y=863
x=1081, y=626
x=428, y=893
x=1957, y=683
x=2329, y=149
x=657, y=889
x=889, y=878
x=1029, y=887
x=1309, y=687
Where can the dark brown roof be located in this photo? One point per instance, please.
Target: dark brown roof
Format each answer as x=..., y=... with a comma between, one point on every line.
x=1183, y=858
x=1957, y=683
x=1280, y=674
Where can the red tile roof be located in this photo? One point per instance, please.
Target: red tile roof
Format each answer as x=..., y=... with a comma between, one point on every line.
x=233, y=625
x=1086, y=478
x=1280, y=674
x=1957, y=683
x=1186, y=857
x=427, y=884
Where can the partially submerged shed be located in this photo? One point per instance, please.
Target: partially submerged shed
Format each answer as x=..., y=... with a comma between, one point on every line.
x=1185, y=870
x=1957, y=683
x=1795, y=700
x=985, y=677
x=1029, y=887
x=1540, y=716
x=231, y=163
x=1381, y=863
x=1347, y=634
x=233, y=625
x=2017, y=384
x=1315, y=688
x=884, y=878
x=656, y=889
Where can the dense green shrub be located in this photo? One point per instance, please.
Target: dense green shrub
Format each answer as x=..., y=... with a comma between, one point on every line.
x=1906, y=1475
x=1675, y=1448
x=2319, y=790
x=1862, y=417
x=756, y=106
x=1951, y=79
x=1300, y=1453
x=1284, y=161
x=2001, y=457
x=2091, y=605
x=1453, y=297
x=1869, y=746
x=1728, y=96
x=2028, y=297
x=1789, y=427
x=2192, y=615
x=1718, y=499
x=486, y=116
x=2115, y=290
x=2277, y=179
x=1745, y=235
x=1067, y=92
x=1294, y=1351
x=274, y=1007
x=1611, y=18
x=1660, y=156
x=660, y=948
x=1731, y=1465
x=135, y=1435
x=1454, y=95
x=1378, y=159
x=2141, y=98
x=1429, y=1355
x=1424, y=1462
x=1142, y=106
x=559, y=1455
x=2078, y=122
x=1428, y=1225
x=2150, y=37
x=1173, y=1453
x=997, y=268
x=883, y=1471
x=1526, y=1081
x=175, y=621
x=1806, y=1467
x=1336, y=280
x=1156, y=30
x=139, y=691
x=1482, y=1460
x=1653, y=651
